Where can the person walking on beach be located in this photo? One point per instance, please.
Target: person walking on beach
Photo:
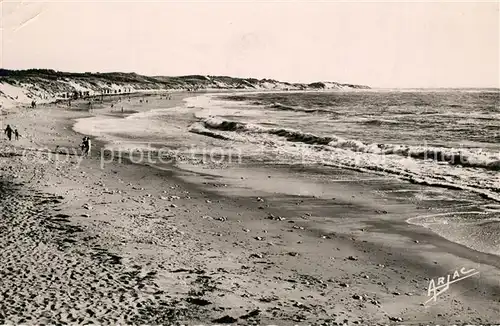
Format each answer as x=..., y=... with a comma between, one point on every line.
x=16, y=134
x=87, y=153
x=85, y=146
x=8, y=131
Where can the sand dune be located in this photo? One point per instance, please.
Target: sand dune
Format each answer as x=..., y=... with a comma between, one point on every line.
x=44, y=86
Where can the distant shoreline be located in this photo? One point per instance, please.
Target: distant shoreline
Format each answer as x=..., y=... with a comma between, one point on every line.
x=23, y=87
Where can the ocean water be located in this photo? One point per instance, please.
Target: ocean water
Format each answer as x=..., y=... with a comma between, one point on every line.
x=446, y=139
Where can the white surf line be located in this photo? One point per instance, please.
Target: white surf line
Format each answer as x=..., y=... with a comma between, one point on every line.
x=357, y=180
x=411, y=177
x=410, y=220
x=178, y=109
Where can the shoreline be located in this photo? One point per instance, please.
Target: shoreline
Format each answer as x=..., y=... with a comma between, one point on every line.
x=265, y=258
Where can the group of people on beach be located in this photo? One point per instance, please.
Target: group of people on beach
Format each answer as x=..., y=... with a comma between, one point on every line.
x=9, y=132
x=84, y=146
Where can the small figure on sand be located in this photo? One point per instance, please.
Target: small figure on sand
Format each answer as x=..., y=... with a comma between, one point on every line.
x=16, y=134
x=33, y=104
x=85, y=146
x=8, y=131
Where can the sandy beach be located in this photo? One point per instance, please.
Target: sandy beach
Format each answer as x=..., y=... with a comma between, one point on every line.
x=86, y=242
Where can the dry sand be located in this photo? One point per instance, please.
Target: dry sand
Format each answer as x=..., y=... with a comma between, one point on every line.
x=131, y=244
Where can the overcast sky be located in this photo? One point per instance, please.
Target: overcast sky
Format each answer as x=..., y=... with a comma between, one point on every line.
x=391, y=44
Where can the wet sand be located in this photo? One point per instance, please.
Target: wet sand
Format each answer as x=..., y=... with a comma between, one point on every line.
x=131, y=243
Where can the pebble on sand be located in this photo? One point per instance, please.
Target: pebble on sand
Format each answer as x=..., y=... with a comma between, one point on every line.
x=225, y=320
x=252, y=313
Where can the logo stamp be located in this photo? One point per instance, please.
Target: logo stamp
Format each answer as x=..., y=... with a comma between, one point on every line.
x=442, y=284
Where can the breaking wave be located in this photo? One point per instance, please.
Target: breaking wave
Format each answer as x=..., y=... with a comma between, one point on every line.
x=452, y=156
